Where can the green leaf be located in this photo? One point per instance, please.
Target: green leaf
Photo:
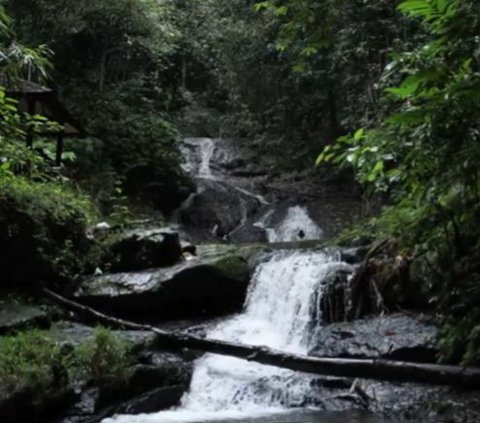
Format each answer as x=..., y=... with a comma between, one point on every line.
x=281, y=11
x=262, y=5
x=359, y=134
x=379, y=166
x=416, y=7
x=408, y=87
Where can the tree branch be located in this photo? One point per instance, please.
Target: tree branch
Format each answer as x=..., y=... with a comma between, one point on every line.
x=380, y=369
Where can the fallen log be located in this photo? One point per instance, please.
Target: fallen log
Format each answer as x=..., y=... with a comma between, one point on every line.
x=379, y=369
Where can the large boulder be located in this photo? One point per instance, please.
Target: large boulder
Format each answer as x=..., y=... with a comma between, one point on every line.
x=214, y=283
x=146, y=249
x=216, y=210
x=397, y=336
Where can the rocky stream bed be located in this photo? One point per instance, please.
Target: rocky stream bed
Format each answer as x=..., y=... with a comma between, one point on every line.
x=210, y=272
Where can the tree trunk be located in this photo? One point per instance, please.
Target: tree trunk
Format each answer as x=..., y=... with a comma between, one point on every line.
x=380, y=369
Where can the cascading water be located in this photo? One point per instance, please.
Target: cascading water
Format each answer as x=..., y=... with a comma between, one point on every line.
x=206, y=149
x=277, y=314
x=296, y=225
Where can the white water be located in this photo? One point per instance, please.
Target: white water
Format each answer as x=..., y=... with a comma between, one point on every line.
x=276, y=314
x=296, y=220
x=206, y=147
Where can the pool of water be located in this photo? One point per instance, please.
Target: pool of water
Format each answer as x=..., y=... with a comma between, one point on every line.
x=296, y=416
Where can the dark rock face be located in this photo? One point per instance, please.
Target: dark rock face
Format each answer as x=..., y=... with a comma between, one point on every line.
x=396, y=337
x=332, y=302
x=216, y=210
x=195, y=288
x=248, y=233
x=138, y=250
x=154, y=386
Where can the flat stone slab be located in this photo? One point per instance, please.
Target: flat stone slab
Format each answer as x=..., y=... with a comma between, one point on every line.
x=210, y=284
x=396, y=336
x=15, y=316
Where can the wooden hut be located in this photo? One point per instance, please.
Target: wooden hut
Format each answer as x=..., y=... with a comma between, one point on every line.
x=37, y=99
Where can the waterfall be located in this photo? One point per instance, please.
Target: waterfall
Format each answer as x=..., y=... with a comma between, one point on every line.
x=277, y=313
x=206, y=149
x=296, y=225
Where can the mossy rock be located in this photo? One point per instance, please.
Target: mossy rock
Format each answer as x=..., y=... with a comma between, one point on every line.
x=42, y=232
x=211, y=284
x=139, y=250
x=233, y=267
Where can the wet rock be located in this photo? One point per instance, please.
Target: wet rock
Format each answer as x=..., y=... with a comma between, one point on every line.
x=155, y=400
x=216, y=210
x=248, y=233
x=25, y=405
x=15, y=316
x=405, y=400
x=95, y=404
x=332, y=301
x=139, y=250
x=249, y=171
x=157, y=380
x=353, y=255
x=200, y=287
x=234, y=163
x=397, y=337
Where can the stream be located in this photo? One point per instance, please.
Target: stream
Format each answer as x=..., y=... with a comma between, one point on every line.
x=285, y=287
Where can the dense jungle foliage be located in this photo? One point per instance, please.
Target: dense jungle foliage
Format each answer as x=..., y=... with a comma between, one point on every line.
x=386, y=89
x=418, y=136
x=35, y=358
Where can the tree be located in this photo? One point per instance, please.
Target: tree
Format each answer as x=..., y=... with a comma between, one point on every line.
x=424, y=150
x=109, y=61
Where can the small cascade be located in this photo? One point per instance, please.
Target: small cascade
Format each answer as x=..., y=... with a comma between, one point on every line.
x=198, y=165
x=207, y=147
x=277, y=313
x=296, y=225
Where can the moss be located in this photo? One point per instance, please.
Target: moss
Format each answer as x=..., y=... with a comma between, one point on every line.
x=234, y=267
x=42, y=231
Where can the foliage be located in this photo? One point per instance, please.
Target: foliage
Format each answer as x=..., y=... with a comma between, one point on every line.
x=35, y=360
x=105, y=359
x=424, y=152
x=17, y=60
x=42, y=231
x=140, y=147
x=111, y=58
x=29, y=359
x=42, y=219
x=290, y=79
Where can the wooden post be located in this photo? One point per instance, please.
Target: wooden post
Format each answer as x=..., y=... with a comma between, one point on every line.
x=59, y=152
x=31, y=112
